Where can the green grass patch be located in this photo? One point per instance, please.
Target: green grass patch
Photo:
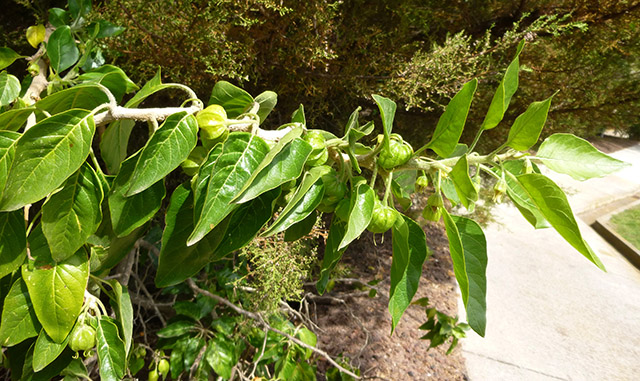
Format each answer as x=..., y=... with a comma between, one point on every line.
x=627, y=224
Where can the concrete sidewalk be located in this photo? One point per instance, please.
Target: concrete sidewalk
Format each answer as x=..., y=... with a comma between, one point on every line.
x=552, y=314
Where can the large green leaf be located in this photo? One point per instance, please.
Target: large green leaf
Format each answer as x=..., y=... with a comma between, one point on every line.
x=450, y=125
x=8, y=141
x=46, y=155
x=111, y=351
x=13, y=241
x=115, y=139
x=73, y=213
x=221, y=357
x=218, y=183
x=111, y=77
x=178, y=261
x=129, y=213
x=267, y=101
x=307, y=197
x=13, y=120
x=47, y=373
x=46, y=350
x=553, y=204
x=331, y=253
x=474, y=245
x=504, y=92
x=86, y=97
x=169, y=146
x=525, y=131
x=234, y=100
x=246, y=222
x=62, y=49
x=282, y=164
x=7, y=57
x=409, y=253
x=57, y=292
x=576, y=157
x=19, y=320
x=9, y=88
x=465, y=188
x=387, y=109
x=361, y=206
x=519, y=196
x=456, y=251
x=121, y=303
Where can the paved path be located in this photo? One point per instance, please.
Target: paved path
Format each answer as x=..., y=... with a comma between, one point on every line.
x=552, y=314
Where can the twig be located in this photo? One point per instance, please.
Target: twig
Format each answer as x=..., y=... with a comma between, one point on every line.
x=146, y=292
x=258, y=319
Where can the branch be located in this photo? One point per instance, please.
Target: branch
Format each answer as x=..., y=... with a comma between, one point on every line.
x=258, y=319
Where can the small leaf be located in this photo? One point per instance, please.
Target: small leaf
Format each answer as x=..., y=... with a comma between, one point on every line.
x=267, y=101
x=519, y=196
x=79, y=8
x=46, y=155
x=525, y=131
x=298, y=116
x=450, y=125
x=457, y=253
x=553, y=204
x=409, y=253
x=111, y=352
x=106, y=29
x=504, y=92
x=13, y=241
x=57, y=292
x=220, y=356
x=112, y=77
x=86, y=97
x=73, y=213
x=19, y=320
x=331, y=253
x=35, y=34
x=362, y=202
x=177, y=327
x=9, y=88
x=46, y=350
x=59, y=17
x=234, y=100
x=7, y=57
x=121, y=303
x=387, y=113
x=465, y=188
x=169, y=146
x=302, y=228
x=62, y=50
x=576, y=157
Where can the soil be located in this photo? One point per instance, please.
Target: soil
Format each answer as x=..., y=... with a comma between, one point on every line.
x=361, y=330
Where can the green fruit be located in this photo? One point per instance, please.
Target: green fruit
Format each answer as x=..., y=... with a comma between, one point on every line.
x=382, y=219
x=211, y=122
x=334, y=189
x=83, y=338
x=432, y=213
x=163, y=367
x=422, y=182
x=192, y=164
x=153, y=375
x=435, y=200
x=395, y=155
x=316, y=140
x=318, y=159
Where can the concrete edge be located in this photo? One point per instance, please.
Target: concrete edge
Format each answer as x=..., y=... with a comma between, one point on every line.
x=605, y=229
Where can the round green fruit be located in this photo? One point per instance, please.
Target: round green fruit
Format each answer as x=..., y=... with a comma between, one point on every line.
x=192, y=164
x=422, y=182
x=396, y=154
x=334, y=189
x=211, y=122
x=163, y=367
x=432, y=213
x=83, y=338
x=153, y=375
x=382, y=219
x=316, y=140
x=318, y=159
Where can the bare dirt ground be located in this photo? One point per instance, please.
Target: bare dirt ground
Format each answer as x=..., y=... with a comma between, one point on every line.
x=361, y=330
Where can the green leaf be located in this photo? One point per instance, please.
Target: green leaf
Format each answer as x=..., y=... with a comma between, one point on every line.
x=519, y=196
x=177, y=327
x=221, y=176
x=79, y=8
x=129, y=213
x=504, y=92
x=57, y=292
x=9, y=88
x=525, y=131
x=46, y=155
x=169, y=146
x=13, y=120
x=115, y=139
x=234, y=100
x=553, y=204
x=62, y=50
x=331, y=253
x=456, y=251
x=111, y=351
x=75, y=371
x=576, y=157
x=13, y=241
x=465, y=188
x=121, y=303
x=7, y=153
x=106, y=29
x=267, y=101
x=307, y=197
x=282, y=164
x=59, y=17
x=47, y=373
x=387, y=113
x=178, y=261
x=19, y=320
x=112, y=77
x=46, y=350
x=474, y=245
x=73, y=213
x=362, y=202
x=450, y=125
x=409, y=253
x=220, y=356
x=7, y=57
x=246, y=222
x=86, y=97
x=298, y=116
x=302, y=228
